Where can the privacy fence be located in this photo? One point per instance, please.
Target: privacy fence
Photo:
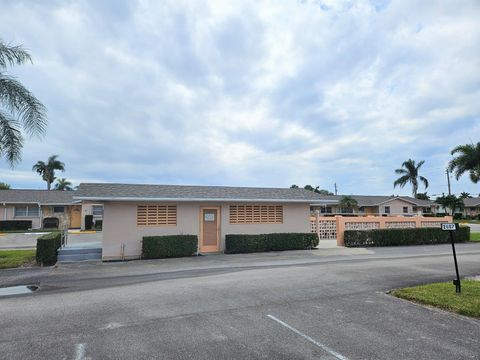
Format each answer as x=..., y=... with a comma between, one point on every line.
x=335, y=226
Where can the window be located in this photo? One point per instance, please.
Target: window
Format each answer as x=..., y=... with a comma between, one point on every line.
x=58, y=209
x=326, y=210
x=156, y=215
x=348, y=210
x=405, y=209
x=427, y=210
x=27, y=211
x=97, y=210
x=256, y=214
x=387, y=210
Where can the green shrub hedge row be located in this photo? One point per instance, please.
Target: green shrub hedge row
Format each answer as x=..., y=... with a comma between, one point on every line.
x=157, y=247
x=47, y=246
x=400, y=237
x=243, y=243
x=6, y=225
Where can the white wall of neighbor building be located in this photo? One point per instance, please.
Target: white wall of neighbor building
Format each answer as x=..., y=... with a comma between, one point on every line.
x=122, y=238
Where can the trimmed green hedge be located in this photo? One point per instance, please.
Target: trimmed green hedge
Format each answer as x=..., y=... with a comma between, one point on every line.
x=244, y=243
x=158, y=247
x=47, y=246
x=400, y=237
x=6, y=225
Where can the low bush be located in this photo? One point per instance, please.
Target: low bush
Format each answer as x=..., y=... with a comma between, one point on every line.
x=6, y=225
x=47, y=246
x=88, y=222
x=400, y=237
x=157, y=247
x=244, y=243
x=457, y=216
x=98, y=224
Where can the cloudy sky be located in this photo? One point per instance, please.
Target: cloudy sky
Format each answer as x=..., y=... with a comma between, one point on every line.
x=254, y=93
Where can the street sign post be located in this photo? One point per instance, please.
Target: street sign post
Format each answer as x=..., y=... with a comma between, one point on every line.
x=451, y=228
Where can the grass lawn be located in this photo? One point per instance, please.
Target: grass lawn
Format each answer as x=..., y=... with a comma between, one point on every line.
x=16, y=258
x=443, y=295
x=475, y=236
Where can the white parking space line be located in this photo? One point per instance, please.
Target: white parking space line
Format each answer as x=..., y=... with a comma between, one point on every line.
x=80, y=352
x=308, y=338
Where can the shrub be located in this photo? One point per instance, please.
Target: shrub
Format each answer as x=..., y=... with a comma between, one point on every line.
x=6, y=225
x=457, y=216
x=47, y=246
x=400, y=237
x=244, y=243
x=157, y=247
x=88, y=222
x=98, y=224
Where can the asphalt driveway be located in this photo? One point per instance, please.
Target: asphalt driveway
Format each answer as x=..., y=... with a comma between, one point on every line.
x=294, y=305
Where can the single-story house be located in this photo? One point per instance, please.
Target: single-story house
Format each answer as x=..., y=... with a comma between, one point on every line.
x=40, y=206
x=472, y=207
x=375, y=205
x=210, y=212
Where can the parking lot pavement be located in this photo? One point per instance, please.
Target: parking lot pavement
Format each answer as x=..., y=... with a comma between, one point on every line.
x=29, y=240
x=474, y=227
x=289, y=309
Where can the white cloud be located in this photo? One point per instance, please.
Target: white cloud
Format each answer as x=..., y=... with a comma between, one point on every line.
x=250, y=93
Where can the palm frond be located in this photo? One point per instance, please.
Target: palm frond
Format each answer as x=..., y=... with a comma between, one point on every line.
x=11, y=140
x=13, y=55
x=401, y=181
x=22, y=103
x=424, y=180
x=401, y=171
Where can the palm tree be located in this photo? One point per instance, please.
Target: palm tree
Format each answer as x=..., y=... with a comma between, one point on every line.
x=4, y=186
x=63, y=184
x=451, y=202
x=47, y=170
x=467, y=160
x=19, y=109
x=422, y=196
x=465, y=195
x=409, y=172
x=348, y=203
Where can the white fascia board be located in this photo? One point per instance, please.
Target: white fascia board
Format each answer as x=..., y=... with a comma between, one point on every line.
x=95, y=198
x=325, y=202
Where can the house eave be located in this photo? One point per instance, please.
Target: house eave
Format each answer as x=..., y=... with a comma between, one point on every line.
x=148, y=199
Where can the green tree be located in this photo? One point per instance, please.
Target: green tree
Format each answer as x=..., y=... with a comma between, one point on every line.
x=63, y=184
x=4, y=186
x=311, y=188
x=467, y=160
x=294, y=186
x=47, y=170
x=348, y=203
x=409, y=174
x=19, y=108
x=450, y=202
x=465, y=195
x=423, y=196
x=323, y=192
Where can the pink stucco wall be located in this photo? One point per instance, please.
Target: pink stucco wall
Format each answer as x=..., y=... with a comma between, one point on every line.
x=120, y=228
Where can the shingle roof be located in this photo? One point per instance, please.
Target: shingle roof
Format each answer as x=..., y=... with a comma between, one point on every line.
x=472, y=202
x=130, y=192
x=21, y=196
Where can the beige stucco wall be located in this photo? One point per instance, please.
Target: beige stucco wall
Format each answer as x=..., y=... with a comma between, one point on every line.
x=119, y=226
x=87, y=209
x=396, y=207
x=7, y=212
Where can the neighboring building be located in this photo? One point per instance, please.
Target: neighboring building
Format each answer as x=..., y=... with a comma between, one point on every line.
x=210, y=212
x=40, y=206
x=375, y=205
x=472, y=207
